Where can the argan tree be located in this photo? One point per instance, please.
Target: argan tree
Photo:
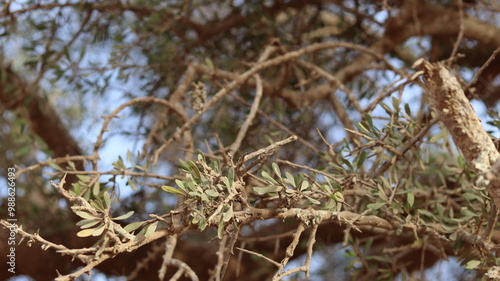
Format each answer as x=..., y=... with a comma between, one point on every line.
x=248, y=140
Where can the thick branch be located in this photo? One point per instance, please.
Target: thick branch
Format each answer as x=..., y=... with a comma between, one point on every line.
x=44, y=120
x=460, y=119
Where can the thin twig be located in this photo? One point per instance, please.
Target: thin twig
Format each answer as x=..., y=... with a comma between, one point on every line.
x=492, y=219
x=114, y=114
x=185, y=268
x=240, y=79
x=259, y=255
x=289, y=251
x=221, y=252
x=251, y=115
x=483, y=67
x=143, y=263
x=269, y=148
x=460, y=33
x=307, y=264
x=167, y=257
x=277, y=124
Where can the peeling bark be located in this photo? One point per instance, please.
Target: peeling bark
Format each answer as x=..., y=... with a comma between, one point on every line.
x=461, y=120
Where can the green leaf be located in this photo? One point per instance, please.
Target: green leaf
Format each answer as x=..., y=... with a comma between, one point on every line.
x=229, y=214
x=312, y=200
x=130, y=158
x=442, y=135
x=97, y=204
x=54, y=165
x=131, y=183
x=375, y=206
x=386, y=108
x=226, y=183
x=83, y=178
x=304, y=185
x=150, y=229
x=212, y=193
x=209, y=63
x=220, y=229
x=264, y=190
x=289, y=179
x=23, y=151
x=381, y=193
x=99, y=231
x=180, y=184
x=458, y=245
x=85, y=215
x=468, y=213
x=77, y=188
x=361, y=159
x=202, y=224
x=368, y=119
x=107, y=200
x=133, y=226
x=194, y=169
x=472, y=264
x=276, y=170
x=200, y=156
x=230, y=176
x=338, y=196
x=461, y=161
x=426, y=213
x=347, y=163
x=119, y=164
x=268, y=177
x=395, y=103
x=96, y=188
x=407, y=110
x=362, y=128
x=410, y=198
x=125, y=216
x=89, y=223
x=171, y=189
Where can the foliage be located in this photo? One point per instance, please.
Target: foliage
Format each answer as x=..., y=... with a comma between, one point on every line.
x=247, y=137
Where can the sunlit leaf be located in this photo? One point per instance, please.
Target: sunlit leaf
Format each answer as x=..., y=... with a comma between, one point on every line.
x=125, y=216
x=85, y=232
x=472, y=264
x=171, y=189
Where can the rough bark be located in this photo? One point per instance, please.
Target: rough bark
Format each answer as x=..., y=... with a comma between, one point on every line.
x=45, y=123
x=461, y=120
